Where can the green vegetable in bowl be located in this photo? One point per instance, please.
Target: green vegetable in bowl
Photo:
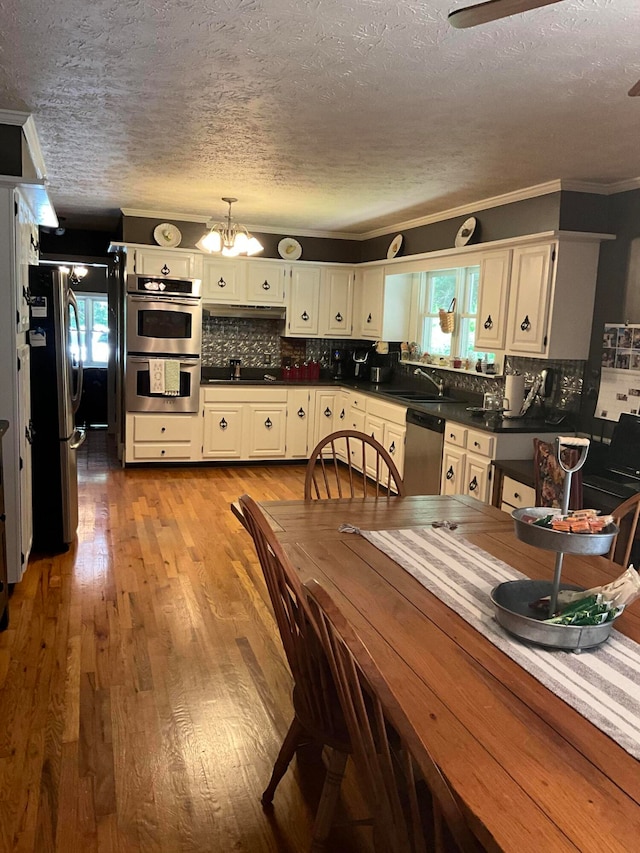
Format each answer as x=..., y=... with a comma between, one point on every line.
x=594, y=610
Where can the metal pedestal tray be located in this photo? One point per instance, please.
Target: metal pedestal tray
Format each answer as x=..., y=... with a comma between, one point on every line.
x=512, y=600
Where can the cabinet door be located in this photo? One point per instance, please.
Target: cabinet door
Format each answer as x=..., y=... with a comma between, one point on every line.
x=222, y=437
x=477, y=477
x=325, y=414
x=24, y=435
x=26, y=253
x=265, y=283
x=165, y=262
x=394, y=437
x=303, y=302
x=267, y=430
x=336, y=303
x=298, y=421
x=453, y=464
x=374, y=427
x=369, y=302
x=223, y=281
x=491, y=324
x=529, y=299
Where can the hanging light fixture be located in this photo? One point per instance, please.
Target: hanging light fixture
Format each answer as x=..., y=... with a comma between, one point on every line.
x=229, y=237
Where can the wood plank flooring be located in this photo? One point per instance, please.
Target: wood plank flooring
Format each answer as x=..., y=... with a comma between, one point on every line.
x=143, y=688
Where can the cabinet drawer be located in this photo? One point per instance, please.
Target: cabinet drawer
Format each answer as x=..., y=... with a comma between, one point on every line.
x=517, y=494
x=167, y=452
x=480, y=442
x=358, y=401
x=162, y=428
x=456, y=435
x=244, y=394
x=387, y=411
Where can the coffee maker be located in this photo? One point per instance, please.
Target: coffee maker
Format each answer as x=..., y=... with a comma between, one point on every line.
x=337, y=363
x=361, y=363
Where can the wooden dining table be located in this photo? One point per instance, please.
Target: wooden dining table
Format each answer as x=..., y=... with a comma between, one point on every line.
x=530, y=771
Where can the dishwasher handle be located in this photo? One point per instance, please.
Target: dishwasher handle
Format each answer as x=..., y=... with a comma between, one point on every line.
x=425, y=420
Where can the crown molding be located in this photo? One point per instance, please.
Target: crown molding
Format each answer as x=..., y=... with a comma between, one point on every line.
x=557, y=185
x=28, y=125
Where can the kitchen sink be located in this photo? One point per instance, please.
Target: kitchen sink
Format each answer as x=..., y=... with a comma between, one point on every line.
x=420, y=397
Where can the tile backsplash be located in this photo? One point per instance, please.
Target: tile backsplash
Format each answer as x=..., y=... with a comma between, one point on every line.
x=259, y=343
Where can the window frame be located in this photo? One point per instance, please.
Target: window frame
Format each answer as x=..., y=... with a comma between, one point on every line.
x=467, y=277
x=88, y=298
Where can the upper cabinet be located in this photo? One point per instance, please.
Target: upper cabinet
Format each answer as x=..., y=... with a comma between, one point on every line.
x=303, y=301
x=224, y=280
x=491, y=325
x=551, y=299
x=382, y=305
x=266, y=282
x=336, y=302
x=176, y=263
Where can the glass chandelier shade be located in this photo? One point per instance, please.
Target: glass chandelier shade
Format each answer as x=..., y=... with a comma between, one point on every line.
x=229, y=237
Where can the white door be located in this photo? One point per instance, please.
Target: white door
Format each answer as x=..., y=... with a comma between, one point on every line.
x=491, y=324
x=265, y=283
x=164, y=263
x=394, y=437
x=267, y=430
x=336, y=303
x=24, y=435
x=453, y=464
x=369, y=302
x=298, y=423
x=325, y=413
x=477, y=478
x=223, y=280
x=303, y=302
x=530, y=288
x=223, y=424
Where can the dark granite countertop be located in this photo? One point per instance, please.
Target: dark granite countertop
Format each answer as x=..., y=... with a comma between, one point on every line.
x=455, y=410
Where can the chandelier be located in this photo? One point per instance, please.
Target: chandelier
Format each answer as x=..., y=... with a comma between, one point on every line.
x=229, y=237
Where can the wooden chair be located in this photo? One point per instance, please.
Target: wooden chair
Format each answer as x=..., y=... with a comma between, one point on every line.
x=393, y=763
x=626, y=516
x=549, y=476
x=317, y=711
x=332, y=470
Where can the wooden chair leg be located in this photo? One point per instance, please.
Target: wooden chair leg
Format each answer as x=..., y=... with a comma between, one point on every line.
x=328, y=800
x=291, y=742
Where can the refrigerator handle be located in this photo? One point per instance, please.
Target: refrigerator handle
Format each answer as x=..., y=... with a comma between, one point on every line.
x=76, y=393
x=78, y=438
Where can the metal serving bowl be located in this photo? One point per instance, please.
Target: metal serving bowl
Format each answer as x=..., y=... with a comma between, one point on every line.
x=512, y=600
x=557, y=540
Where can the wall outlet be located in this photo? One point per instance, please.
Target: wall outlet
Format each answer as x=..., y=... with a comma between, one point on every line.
x=266, y=358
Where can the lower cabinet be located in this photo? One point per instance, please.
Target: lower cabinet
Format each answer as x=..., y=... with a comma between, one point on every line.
x=467, y=456
x=166, y=437
x=300, y=412
x=244, y=423
x=516, y=495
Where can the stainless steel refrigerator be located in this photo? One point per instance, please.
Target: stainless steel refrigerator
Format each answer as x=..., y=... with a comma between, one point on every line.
x=56, y=389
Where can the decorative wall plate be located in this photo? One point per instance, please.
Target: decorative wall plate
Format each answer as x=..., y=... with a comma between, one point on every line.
x=394, y=246
x=289, y=249
x=465, y=232
x=167, y=235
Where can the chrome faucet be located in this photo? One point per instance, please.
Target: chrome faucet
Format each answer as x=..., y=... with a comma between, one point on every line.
x=437, y=382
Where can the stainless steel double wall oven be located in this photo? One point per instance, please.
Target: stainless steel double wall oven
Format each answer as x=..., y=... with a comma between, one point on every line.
x=164, y=324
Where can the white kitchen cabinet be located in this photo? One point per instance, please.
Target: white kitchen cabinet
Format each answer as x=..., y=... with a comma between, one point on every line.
x=326, y=413
x=299, y=423
x=266, y=282
x=382, y=305
x=223, y=430
x=491, y=325
x=468, y=453
x=394, y=441
x=516, y=495
x=26, y=253
x=336, y=302
x=303, y=301
x=386, y=422
x=151, y=437
x=24, y=440
x=244, y=423
x=169, y=263
x=551, y=299
x=266, y=430
x=224, y=280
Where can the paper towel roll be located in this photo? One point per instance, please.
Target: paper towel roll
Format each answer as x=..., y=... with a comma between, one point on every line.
x=514, y=393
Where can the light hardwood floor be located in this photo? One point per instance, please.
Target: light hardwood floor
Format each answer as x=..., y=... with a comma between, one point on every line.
x=144, y=693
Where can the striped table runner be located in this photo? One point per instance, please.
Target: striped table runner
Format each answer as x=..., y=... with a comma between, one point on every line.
x=602, y=684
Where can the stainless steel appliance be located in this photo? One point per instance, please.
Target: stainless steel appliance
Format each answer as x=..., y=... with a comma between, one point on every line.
x=423, y=453
x=164, y=316
x=56, y=389
x=139, y=396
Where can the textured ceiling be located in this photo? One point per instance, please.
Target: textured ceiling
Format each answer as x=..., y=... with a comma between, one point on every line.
x=343, y=115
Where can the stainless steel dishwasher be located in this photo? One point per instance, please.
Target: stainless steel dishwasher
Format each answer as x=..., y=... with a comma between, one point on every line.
x=423, y=453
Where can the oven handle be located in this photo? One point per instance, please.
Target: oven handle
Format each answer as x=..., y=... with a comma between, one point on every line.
x=183, y=359
x=158, y=297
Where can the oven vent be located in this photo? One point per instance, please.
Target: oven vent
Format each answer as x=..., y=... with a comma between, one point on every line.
x=264, y=312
